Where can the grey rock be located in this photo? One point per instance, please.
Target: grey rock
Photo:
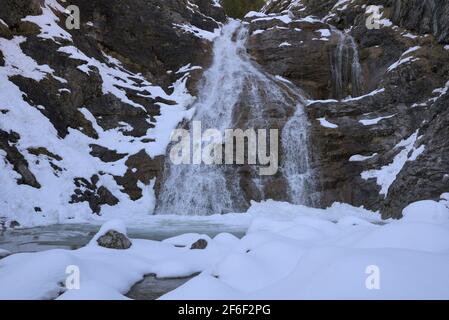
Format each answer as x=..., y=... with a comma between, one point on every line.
x=114, y=240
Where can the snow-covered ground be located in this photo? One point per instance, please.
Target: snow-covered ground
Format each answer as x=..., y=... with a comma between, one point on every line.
x=288, y=252
x=18, y=201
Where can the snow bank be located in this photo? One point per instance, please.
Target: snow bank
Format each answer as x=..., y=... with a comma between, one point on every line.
x=187, y=239
x=288, y=252
x=311, y=258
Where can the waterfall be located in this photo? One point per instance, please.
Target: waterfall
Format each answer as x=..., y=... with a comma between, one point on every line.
x=296, y=164
x=235, y=93
x=346, y=68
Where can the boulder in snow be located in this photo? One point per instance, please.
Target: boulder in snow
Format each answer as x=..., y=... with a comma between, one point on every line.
x=114, y=240
x=112, y=235
x=199, y=244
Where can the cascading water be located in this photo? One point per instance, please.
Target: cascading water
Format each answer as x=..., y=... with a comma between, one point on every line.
x=234, y=93
x=346, y=68
x=296, y=164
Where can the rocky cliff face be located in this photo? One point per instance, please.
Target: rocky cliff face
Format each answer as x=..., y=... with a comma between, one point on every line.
x=86, y=113
x=383, y=144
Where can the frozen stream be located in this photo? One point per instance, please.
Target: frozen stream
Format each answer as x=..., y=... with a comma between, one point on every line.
x=74, y=236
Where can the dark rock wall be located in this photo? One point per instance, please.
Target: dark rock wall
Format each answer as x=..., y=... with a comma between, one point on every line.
x=405, y=73
x=147, y=39
x=423, y=16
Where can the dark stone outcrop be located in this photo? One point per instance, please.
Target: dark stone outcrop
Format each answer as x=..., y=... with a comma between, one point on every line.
x=96, y=196
x=200, y=244
x=146, y=37
x=114, y=240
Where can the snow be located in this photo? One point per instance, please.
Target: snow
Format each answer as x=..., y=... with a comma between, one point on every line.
x=288, y=252
x=258, y=31
x=188, y=68
x=342, y=5
x=115, y=224
x=409, y=35
x=309, y=102
x=325, y=33
x=283, y=18
x=370, y=122
x=330, y=261
x=282, y=79
x=377, y=11
x=186, y=239
x=386, y=175
x=440, y=92
x=284, y=44
x=20, y=64
x=326, y=123
x=410, y=50
x=435, y=211
x=401, y=62
x=359, y=158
